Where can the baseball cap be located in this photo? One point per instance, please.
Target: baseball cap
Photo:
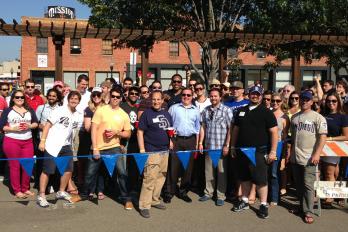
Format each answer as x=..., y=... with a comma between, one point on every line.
x=97, y=89
x=306, y=94
x=215, y=82
x=256, y=89
x=226, y=84
x=237, y=84
x=58, y=83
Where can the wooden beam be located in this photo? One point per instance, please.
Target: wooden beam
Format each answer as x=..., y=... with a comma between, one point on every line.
x=144, y=64
x=296, y=71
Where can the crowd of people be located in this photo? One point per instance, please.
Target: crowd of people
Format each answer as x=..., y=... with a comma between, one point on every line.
x=124, y=119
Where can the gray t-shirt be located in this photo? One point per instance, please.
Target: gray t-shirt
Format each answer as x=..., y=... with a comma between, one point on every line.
x=306, y=129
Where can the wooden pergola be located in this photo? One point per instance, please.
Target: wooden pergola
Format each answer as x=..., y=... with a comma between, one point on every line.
x=65, y=29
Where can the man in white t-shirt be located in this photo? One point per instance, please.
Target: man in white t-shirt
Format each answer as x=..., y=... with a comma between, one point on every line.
x=56, y=141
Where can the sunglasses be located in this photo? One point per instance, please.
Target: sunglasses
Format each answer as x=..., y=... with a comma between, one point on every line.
x=214, y=86
x=267, y=99
x=176, y=81
x=19, y=97
x=156, y=88
x=294, y=98
x=96, y=94
x=186, y=95
x=276, y=101
x=5, y=89
x=116, y=96
x=133, y=94
x=30, y=86
x=331, y=101
x=145, y=92
x=197, y=89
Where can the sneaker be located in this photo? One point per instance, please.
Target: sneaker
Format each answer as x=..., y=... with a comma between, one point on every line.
x=42, y=202
x=128, y=205
x=204, y=198
x=63, y=195
x=240, y=206
x=220, y=202
x=263, y=212
x=159, y=206
x=145, y=213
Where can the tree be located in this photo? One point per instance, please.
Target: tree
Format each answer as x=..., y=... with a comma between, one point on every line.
x=193, y=15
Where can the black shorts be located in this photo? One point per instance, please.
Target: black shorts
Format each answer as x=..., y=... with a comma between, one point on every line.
x=248, y=172
x=49, y=166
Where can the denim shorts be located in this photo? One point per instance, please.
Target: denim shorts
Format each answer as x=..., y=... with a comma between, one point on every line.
x=49, y=166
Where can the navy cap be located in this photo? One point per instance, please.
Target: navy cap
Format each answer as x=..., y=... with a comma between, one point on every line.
x=306, y=94
x=256, y=89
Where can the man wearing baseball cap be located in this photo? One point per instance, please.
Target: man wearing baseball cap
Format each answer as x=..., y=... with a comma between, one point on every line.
x=237, y=101
x=254, y=126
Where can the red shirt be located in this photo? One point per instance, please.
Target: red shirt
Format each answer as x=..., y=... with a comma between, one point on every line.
x=3, y=104
x=34, y=101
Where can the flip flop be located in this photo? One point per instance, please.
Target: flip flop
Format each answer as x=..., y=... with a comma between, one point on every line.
x=21, y=195
x=308, y=219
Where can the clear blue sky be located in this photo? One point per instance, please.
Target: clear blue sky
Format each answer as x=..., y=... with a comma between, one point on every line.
x=15, y=9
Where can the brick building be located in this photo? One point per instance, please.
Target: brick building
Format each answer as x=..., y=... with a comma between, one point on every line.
x=97, y=59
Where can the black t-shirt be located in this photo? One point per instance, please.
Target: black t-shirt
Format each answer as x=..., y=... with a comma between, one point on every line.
x=154, y=124
x=132, y=112
x=335, y=123
x=254, y=126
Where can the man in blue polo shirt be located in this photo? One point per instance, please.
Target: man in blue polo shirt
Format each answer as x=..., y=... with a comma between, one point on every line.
x=237, y=101
x=186, y=122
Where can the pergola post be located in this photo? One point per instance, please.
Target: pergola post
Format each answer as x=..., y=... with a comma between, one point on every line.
x=144, y=64
x=58, y=41
x=296, y=71
x=222, y=64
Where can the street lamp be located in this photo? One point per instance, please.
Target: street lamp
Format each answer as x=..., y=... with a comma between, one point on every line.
x=111, y=68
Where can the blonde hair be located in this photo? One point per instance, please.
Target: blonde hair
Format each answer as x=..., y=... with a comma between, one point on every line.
x=92, y=106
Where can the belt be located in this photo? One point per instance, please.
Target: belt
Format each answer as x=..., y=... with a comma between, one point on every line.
x=185, y=137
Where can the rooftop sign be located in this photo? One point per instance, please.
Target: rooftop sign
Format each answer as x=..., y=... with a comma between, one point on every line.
x=60, y=12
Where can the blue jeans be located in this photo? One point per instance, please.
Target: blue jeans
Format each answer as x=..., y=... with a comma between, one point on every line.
x=274, y=179
x=93, y=170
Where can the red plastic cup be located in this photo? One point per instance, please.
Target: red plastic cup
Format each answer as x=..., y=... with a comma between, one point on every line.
x=171, y=131
x=106, y=132
x=22, y=124
x=136, y=124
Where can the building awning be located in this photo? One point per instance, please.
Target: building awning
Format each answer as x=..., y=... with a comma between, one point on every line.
x=85, y=30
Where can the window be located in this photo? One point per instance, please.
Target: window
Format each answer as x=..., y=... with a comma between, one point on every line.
x=41, y=45
x=75, y=46
x=107, y=47
x=282, y=78
x=174, y=48
x=101, y=76
x=70, y=78
x=257, y=76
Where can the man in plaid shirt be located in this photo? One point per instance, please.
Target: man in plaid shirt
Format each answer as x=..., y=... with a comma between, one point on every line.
x=215, y=131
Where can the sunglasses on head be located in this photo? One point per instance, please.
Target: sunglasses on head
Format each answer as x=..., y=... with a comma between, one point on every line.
x=186, y=95
x=19, y=97
x=214, y=86
x=133, y=94
x=331, y=101
x=276, y=101
x=30, y=86
x=116, y=96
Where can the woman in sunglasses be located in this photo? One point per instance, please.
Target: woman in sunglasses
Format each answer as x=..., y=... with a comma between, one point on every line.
x=85, y=146
x=337, y=123
x=283, y=123
x=16, y=122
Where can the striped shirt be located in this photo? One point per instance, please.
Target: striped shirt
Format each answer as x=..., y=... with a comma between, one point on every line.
x=216, y=121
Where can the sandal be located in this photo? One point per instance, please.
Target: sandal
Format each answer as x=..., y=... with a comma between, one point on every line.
x=21, y=195
x=101, y=196
x=29, y=193
x=308, y=219
x=73, y=191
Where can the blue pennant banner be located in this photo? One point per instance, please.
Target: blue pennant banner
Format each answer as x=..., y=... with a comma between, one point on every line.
x=62, y=163
x=140, y=159
x=110, y=162
x=215, y=156
x=27, y=164
x=250, y=153
x=279, y=150
x=184, y=157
